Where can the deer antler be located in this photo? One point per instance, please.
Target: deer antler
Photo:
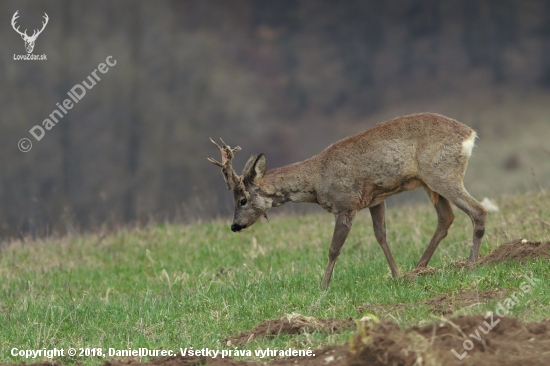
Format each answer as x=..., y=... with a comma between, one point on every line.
x=13, y=20
x=231, y=179
x=35, y=34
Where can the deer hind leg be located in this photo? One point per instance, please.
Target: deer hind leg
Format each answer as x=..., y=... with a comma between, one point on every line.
x=445, y=218
x=458, y=195
x=342, y=228
x=378, y=214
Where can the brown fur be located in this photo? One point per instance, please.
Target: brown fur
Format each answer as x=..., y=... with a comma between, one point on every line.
x=420, y=150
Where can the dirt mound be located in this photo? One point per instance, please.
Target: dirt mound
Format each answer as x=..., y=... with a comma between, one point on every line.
x=291, y=324
x=510, y=342
x=518, y=249
x=446, y=304
x=379, y=309
x=443, y=304
x=417, y=272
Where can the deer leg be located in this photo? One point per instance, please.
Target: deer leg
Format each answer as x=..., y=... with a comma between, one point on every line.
x=445, y=218
x=478, y=214
x=342, y=228
x=458, y=195
x=378, y=214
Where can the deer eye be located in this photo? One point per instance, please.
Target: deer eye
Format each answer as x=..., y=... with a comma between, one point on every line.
x=243, y=202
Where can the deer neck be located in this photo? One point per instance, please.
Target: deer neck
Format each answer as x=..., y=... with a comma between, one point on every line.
x=291, y=183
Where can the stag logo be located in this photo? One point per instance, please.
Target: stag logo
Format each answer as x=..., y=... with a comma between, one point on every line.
x=29, y=40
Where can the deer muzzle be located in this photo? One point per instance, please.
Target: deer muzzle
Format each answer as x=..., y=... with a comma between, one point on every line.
x=236, y=227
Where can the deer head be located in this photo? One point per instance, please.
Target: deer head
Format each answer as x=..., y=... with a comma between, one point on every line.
x=251, y=202
x=29, y=40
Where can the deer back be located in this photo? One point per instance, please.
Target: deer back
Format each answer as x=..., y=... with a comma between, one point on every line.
x=393, y=156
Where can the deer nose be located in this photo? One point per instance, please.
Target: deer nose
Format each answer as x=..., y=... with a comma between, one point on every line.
x=236, y=227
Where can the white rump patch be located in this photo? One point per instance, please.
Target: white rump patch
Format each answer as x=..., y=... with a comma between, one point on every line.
x=468, y=144
x=489, y=205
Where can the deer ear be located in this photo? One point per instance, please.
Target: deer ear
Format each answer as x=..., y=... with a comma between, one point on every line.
x=255, y=168
x=260, y=167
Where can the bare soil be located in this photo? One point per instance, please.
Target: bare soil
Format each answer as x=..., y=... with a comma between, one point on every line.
x=291, y=324
x=519, y=250
x=443, y=304
x=446, y=304
x=417, y=272
x=510, y=342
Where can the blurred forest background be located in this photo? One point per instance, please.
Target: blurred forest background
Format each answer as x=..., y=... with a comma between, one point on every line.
x=285, y=78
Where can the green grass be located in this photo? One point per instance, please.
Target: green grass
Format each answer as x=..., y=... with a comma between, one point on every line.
x=168, y=286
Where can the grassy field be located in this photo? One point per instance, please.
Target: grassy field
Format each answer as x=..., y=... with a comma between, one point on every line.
x=192, y=286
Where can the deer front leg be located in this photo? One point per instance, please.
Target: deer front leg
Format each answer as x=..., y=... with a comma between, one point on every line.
x=378, y=215
x=342, y=228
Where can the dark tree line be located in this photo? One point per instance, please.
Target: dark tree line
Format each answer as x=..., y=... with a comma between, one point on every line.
x=260, y=74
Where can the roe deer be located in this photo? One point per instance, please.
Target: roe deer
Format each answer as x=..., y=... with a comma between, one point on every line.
x=419, y=150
